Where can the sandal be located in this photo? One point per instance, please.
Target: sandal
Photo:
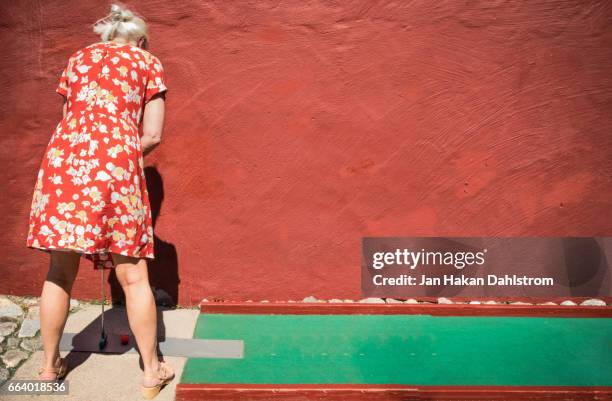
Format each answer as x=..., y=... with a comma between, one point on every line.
x=164, y=375
x=60, y=369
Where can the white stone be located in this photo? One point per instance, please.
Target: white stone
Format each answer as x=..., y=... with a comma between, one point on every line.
x=12, y=342
x=547, y=303
x=33, y=312
x=348, y=301
x=443, y=300
x=206, y=300
x=520, y=303
x=30, y=301
x=7, y=328
x=372, y=300
x=291, y=301
x=335, y=300
x=13, y=357
x=264, y=301
x=411, y=301
x=73, y=303
x=393, y=301
x=31, y=344
x=568, y=303
x=4, y=375
x=593, y=302
x=29, y=328
x=310, y=299
x=475, y=302
x=490, y=302
x=9, y=309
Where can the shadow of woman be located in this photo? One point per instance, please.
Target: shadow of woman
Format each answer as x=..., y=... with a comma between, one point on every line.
x=163, y=278
x=115, y=324
x=587, y=272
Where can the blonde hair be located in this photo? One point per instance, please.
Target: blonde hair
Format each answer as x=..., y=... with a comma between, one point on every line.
x=121, y=22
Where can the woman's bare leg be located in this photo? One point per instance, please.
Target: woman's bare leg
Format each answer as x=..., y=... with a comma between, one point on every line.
x=55, y=301
x=133, y=276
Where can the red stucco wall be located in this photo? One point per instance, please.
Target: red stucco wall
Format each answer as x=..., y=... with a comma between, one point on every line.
x=296, y=128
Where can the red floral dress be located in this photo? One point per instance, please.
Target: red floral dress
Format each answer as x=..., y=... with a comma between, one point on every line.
x=90, y=194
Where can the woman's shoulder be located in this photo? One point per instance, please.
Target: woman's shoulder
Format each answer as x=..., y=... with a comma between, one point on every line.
x=150, y=57
x=80, y=52
x=87, y=51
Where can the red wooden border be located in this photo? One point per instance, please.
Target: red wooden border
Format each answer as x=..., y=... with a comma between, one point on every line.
x=304, y=308
x=372, y=392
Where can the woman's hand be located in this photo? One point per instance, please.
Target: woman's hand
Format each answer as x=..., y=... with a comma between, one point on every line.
x=153, y=123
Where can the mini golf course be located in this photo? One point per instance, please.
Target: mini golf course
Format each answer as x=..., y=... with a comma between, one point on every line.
x=403, y=352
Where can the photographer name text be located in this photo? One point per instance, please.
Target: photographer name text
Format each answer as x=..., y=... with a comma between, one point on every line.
x=461, y=280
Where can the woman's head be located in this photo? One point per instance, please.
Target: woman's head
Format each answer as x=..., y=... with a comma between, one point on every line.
x=123, y=23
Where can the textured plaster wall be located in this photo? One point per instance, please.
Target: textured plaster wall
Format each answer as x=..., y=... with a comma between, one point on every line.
x=296, y=128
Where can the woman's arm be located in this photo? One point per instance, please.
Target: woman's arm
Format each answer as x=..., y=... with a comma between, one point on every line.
x=64, y=108
x=152, y=123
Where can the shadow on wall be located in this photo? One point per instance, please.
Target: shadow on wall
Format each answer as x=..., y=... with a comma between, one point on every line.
x=163, y=270
x=587, y=267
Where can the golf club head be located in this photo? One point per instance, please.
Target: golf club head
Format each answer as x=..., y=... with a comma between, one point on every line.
x=102, y=341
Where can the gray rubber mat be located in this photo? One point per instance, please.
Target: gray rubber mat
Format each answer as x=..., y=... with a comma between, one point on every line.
x=170, y=346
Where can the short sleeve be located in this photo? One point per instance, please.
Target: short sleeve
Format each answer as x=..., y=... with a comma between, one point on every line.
x=156, y=81
x=62, y=87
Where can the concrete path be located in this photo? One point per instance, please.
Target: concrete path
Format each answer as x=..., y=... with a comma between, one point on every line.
x=116, y=377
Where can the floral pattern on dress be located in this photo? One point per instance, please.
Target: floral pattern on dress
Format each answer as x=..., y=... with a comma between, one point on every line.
x=90, y=194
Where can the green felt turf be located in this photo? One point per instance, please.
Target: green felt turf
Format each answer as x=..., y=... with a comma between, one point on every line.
x=407, y=349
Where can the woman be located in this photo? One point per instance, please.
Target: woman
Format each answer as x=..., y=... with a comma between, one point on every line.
x=91, y=197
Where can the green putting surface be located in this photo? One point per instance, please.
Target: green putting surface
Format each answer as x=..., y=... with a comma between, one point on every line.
x=407, y=349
